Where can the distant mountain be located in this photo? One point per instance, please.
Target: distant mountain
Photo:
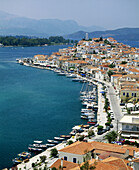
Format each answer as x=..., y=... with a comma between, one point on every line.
x=14, y=25
x=130, y=34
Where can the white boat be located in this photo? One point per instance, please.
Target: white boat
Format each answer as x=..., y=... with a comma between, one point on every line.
x=88, y=114
x=71, y=75
x=84, y=117
x=90, y=106
x=50, y=145
x=52, y=141
x=78, y=79
x=61, y=74
x=37, y=141
x=58, y=138
x=86, y=110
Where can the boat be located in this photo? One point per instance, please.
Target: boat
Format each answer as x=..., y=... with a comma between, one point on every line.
x=78, y=79
x=34, y=149
x=42, y=146
x=92, y=121
x=50, y=144
x=65, y=136
x=58, y=138
x=84, y=117
x=17, y=160
x=24, y=155
x=86, y=110
x=85, y=126
x=88, y=114
x=61, y=74
x=21, y=157
x=71, y=75
x=38, y=141
x=52, y=141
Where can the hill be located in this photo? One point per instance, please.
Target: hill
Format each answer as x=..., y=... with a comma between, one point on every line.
x=14, y=25
x=129, y=34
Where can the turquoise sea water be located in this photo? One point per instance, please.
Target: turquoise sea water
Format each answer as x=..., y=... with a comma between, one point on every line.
x=35, y=104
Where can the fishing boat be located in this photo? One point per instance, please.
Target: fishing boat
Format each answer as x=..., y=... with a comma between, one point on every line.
x=21, y=157
x=58, y=138
x=85, y=126
x=24, y=155
x=17, y=160
x=52, y=141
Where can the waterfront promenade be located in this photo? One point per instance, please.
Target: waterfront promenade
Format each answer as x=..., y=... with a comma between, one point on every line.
x=101, y=118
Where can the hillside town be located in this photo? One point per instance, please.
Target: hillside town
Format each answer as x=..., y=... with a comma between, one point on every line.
x=114, y=68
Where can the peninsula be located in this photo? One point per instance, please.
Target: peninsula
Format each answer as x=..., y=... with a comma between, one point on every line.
x=114, y=68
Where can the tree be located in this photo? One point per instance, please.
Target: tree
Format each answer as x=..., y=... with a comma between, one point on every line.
x=90, y=132
x=111, y=136
x=54, y=152
x=123, y=62
x=69, y=142
x=112, y=65
x=101, y=39
x=110, y=73
x=100, y=128
x=43, y=158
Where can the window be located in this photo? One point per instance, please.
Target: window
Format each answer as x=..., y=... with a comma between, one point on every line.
x=74, y=160
x=65, y=158
x=123, y=94
x=132, y=94
x=135, y=95
x=127, y=95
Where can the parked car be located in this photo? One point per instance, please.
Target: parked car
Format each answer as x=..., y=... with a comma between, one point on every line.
x=104, y=130
x=99, y=132
x=108, y=128
x=96, y=125
x=111, y=125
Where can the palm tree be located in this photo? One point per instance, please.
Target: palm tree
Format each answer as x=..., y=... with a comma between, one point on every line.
x=111, y=136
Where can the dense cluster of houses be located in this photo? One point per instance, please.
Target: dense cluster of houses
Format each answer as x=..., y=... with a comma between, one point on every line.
x=97, y=155
x=104, y=59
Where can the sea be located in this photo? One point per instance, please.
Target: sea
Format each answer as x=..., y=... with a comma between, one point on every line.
x=35, y=104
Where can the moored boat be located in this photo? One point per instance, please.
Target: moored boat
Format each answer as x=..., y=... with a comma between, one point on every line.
x=58, y=138
x=52, y=141
x=65, y=136
x=34, y=149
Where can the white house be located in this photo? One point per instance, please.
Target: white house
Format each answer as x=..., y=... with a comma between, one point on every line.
x=130, y=126
x=76, y=152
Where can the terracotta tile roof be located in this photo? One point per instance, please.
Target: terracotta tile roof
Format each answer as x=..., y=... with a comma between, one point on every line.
x=121, y=163
x=136, y=160
x=78, y=148
x=131, y=149
x=66, y=165
x=108, y=147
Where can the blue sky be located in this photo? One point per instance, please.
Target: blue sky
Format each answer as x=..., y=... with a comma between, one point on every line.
x=110, y=14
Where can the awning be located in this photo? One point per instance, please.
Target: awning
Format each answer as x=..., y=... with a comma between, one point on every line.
x=134, y=135
x=102, y=92
x=125, y=135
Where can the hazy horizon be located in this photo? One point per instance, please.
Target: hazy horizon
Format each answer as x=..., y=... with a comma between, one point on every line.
x=109, y=14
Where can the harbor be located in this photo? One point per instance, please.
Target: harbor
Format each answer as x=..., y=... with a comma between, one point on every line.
x=92, y=111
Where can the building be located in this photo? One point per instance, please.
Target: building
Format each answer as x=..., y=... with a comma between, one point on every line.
x=130, y=127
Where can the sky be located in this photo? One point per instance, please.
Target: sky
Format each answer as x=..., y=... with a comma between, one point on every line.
x=110, y=14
